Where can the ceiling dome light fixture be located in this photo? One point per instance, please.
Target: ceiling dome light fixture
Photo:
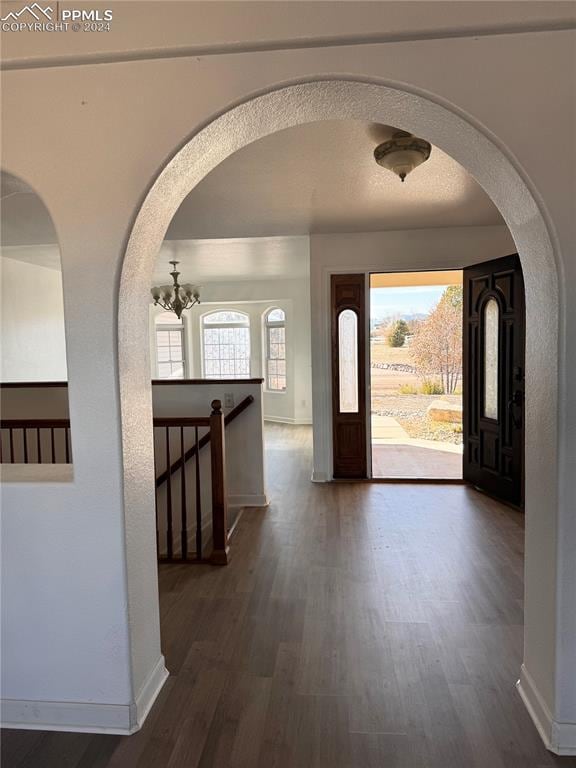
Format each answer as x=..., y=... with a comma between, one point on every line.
x=176, y=298
x=402, y=153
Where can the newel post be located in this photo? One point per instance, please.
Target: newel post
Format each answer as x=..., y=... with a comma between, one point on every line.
x=219, y=554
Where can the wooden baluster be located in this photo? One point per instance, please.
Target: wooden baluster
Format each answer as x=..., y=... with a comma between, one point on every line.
x=184, y=523
x=198, y=499
x=219, y=496
x=156, y=496
x=169, y=542
x=17, y=445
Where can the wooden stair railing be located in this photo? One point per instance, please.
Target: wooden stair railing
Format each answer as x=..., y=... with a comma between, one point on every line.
x=50, y=437
x=204, y=440
x=219, y=496
x=46, y=445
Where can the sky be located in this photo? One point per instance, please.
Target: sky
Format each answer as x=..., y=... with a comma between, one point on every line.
x=408, y=300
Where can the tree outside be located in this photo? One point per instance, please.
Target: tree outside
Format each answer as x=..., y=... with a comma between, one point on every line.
x=416, y=378
x=398, y=333
x=436, y=346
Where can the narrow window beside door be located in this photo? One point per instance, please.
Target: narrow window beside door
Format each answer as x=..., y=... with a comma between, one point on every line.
x=348, y=361
x=491, y=317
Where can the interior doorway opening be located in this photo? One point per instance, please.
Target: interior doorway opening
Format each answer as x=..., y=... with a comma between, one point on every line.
x=416, y=375
x=502, y=179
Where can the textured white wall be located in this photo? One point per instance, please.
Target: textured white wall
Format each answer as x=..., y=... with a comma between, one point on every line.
x=33, y=345
x=500, y=107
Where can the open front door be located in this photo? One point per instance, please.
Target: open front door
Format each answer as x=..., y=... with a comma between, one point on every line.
x=349, y=376
x=494, y=330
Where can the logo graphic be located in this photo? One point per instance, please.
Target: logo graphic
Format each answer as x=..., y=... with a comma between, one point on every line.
x=35, y=10
x=39, y=18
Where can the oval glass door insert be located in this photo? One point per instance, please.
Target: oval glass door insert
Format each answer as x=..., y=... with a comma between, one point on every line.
x=491, y=318
x=348, y=361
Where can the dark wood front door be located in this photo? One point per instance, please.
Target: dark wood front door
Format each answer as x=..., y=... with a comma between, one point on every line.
x=494, y=330
x=349, y=376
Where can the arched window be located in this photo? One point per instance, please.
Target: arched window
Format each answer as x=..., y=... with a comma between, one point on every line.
x=170, y=346
x=275, y=341
x=226, y=345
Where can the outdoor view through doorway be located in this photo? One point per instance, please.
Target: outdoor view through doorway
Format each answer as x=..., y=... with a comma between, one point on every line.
x=416, y=374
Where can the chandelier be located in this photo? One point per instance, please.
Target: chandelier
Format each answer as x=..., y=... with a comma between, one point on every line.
x=176, y=298
x=402, y=153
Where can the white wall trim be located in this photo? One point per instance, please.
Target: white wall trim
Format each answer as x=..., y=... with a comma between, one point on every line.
x=559, y=738
x=248, y=500
x=83, y=716
x=148, y=693
x=536, y=706
x=563, y=739
x=76, y=716
x=288, y=420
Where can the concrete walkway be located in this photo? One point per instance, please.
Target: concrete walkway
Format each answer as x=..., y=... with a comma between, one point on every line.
x=386, y=429
x=396, y=454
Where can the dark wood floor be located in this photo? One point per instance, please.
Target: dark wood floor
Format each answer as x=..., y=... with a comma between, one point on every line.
x=358, y=626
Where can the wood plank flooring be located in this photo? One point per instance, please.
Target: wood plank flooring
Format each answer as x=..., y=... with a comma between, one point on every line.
x=357, y=626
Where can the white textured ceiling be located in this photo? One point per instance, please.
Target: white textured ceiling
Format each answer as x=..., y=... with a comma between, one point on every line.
x=315, y=178
x=230, y=260
x=322, y=177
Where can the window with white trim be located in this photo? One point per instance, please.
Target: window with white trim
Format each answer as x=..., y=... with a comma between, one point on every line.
x=275, y=340
x=226, y=345
x=170, y=346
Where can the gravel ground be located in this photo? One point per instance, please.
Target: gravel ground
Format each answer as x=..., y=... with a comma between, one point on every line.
x=424, y=429
x=410, y=412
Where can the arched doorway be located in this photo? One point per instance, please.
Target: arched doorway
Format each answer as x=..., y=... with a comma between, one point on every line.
x=492, y=167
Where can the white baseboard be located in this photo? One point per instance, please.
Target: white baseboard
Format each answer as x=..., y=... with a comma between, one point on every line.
x=559, y=738
x=321, y=477
x=563, y=739
x=85, y=717
x=288, y=420
x=149, y=691
x=74, y=716
x=248, y=500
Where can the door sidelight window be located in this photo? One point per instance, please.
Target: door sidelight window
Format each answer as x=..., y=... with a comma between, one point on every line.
x=348, y=360
x=491, y=330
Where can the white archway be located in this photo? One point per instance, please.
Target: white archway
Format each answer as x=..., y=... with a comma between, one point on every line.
x=497, y=173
